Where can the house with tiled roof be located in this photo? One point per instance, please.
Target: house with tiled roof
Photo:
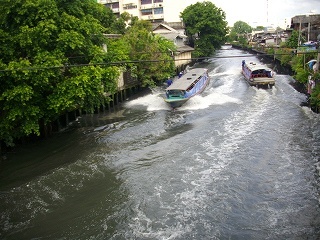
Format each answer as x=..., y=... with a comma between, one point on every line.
x=182, y=55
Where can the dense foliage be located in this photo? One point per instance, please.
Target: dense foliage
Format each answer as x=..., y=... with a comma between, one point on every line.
x=315, y=96
x=239, y=33
x=241, y=27
x=41, y=43
x=55, y=58
x=206, y=27
x=289, y=54
x=299, y=64
x=152, y=54
x=292, y=41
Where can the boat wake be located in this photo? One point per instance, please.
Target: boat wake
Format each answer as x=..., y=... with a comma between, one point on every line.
x=152, y=102
x=217, y=92
x=155, y=102
x=214, y=98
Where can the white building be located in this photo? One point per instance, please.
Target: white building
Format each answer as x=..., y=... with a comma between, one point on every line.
x=152, y=10
x=158, y=12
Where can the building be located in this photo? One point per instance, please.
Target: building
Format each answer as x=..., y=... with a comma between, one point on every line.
x=175, y=33
x=150, y=10
x=307, y=25
x=269, y=37
x=163, y=14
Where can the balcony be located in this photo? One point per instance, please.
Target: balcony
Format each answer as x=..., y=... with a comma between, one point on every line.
x=147, y=17
x=157, y=5
x=107, y=1
x=158, y=16
x=115, y=10
x=146, y=6
x=129, y=6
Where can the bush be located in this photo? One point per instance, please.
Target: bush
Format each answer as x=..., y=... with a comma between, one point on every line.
x=315, y=98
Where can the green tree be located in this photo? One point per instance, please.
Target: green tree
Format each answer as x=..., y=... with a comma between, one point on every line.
x=120, y=25
x=239, y=32
x=152, y=54
x=206, y=27
x=259, y=28
x=241, y=27
x=292, y=41
x=315, y=95
x=43, y=43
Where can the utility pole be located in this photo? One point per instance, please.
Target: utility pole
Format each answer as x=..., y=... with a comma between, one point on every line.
x=318, y=58
x=299, y=32
x=267, y=12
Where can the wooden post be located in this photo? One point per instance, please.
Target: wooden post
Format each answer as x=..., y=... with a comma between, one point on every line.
x=109, y=106
x=121, y=95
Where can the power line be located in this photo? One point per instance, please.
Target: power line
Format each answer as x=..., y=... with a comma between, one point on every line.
x=119, y=63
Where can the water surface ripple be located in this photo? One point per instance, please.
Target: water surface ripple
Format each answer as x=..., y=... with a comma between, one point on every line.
x=236, y=162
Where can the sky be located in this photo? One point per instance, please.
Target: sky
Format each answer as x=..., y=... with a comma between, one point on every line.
x=256, y=12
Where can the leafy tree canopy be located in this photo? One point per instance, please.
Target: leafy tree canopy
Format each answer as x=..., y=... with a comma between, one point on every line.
x=206, y=27
x=238, y=32
x=259, y=28
x=292, y=41
x=120, y=25
x=152, y=53
x=241, y=27
x=40, y=42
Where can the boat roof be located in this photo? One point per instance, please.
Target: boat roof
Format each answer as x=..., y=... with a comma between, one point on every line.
x=255, y=66
x=187, y=79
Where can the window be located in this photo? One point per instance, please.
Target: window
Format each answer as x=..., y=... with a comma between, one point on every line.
x=146, y=11
x=129, y=6
x=112, y=5
x=158, y=10
x=146, y=1
x=115, y=5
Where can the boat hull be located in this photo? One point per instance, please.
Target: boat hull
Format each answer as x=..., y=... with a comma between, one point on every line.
x=188, y=86
x=175, y=103
x=260, y=82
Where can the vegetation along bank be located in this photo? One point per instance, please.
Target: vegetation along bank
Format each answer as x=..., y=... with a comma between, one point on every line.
x=61, y=58
x=298, y=60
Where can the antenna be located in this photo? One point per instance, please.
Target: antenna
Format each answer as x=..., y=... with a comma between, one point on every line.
x=267, y=12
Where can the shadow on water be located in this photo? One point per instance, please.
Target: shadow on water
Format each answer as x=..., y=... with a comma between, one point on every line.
x=34, y=159
x=62, y=186
x=28, y=161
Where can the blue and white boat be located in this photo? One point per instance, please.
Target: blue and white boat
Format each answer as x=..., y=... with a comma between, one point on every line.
x=186, y=87
x=257, y=74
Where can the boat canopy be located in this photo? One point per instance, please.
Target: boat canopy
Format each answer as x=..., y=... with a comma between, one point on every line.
x=187, y=79
x=256, y=67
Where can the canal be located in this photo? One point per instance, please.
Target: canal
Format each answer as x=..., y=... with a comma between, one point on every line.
x=236, y=162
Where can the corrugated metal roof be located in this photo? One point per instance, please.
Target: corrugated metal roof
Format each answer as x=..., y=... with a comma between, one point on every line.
x=187, y=79
x=254, y=67
x=185, y=48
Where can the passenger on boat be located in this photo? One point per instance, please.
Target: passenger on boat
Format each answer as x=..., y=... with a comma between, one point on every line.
x=269, y=74
x=180, y=74
x=169, y=81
